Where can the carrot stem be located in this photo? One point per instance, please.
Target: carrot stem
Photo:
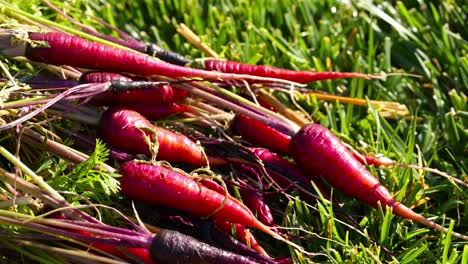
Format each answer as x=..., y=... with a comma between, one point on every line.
x=18, y=13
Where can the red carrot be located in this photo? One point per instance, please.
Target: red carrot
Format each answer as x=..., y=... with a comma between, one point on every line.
x=285, y=173
x=140, y=253
x=260, y=134
x=214, y=186
x=154, y=112
x=157, y=95
x=319, y=151
x=265, y=104
x=252, y=199
x=121, y=128
x=273, y=72
x=162, y=186
x=102, y=77
x=64, y=49
x=256, y=202
x=265, y=136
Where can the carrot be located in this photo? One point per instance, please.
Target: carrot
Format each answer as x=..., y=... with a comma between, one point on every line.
x=273, y=72
x=243, y=234
x=285, y=173
x=64, y=49
x=141, y=254
x=252, y=199
x=166, y=55
x=126, y=40
x=256, y=202
x=319, y=151
x=173, y=247
x=102, y=77
x=154, y=112
x=121, y=128
x=265, y=136
x=207, y=231
x=260, y=134
x=265, y=104
x=159, y=185
x=155, y=95
x=214, y=186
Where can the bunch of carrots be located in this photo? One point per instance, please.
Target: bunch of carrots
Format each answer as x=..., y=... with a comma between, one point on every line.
x=130, y=84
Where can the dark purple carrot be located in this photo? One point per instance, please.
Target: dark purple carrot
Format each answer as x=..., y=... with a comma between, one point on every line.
x=260, y=134
x=273, y=72
x=166, y=55
x=64, y=49
x=205, y=230
x=126, y=129
x=46, y=82
x=319, y=151
x=173, y=247
x=162, y=186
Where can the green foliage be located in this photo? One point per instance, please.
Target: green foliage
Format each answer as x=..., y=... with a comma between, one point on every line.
x=87, y=180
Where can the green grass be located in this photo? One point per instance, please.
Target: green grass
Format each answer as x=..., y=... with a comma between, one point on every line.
x=418, y=37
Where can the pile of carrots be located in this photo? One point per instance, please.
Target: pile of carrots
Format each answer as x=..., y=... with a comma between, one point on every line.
x=131, y=88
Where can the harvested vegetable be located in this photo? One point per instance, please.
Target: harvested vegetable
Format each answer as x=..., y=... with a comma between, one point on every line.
x=319, y=151
x=126, y=130
x=159, y=185
x=273, y=72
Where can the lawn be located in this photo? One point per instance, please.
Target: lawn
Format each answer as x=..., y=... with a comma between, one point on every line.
x=415, y=112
